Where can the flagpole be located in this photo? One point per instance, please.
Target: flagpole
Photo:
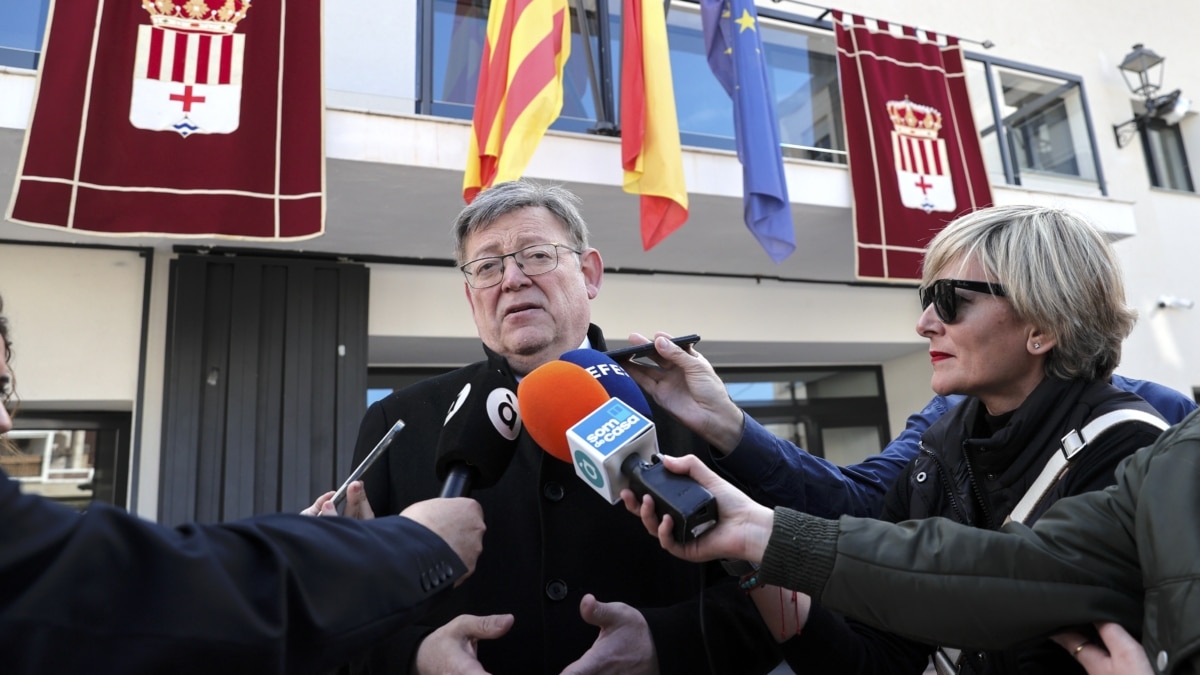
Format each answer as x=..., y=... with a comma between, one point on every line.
x=986, y=44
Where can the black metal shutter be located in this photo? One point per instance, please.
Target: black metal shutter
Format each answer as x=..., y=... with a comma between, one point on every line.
x=266, y=381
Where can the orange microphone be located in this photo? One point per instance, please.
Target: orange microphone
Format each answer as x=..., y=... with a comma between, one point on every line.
x=557, y=395
x=570, y=413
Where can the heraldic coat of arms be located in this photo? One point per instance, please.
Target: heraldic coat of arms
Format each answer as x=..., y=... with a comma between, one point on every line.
x=187, y=74
x=922, y=165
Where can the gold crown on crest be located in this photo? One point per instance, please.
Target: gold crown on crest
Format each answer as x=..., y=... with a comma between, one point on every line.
x=206, y=16
x=914, y=119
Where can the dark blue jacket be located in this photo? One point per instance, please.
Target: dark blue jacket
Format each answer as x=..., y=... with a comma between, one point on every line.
x=776, y=472
x=107, y=592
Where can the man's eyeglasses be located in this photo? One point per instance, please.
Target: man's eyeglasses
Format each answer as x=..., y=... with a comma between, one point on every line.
x=532, y=260
x=945, y=301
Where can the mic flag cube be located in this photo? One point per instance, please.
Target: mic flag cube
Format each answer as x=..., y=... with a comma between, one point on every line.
x=601, y=442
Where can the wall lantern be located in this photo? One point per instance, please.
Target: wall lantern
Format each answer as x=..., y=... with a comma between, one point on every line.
x=1142, y=70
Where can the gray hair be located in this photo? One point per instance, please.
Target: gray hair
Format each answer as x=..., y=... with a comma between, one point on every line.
x=1060, y=274
x=504, y=198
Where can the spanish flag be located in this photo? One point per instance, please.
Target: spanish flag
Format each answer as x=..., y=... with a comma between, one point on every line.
x=520, y=88
x=650, y=152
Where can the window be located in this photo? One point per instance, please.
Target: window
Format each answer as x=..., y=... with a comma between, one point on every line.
x=71, y=457
x=837, y=414
x=1166, y=160
x=801, y=61
x=21, y=32
x=459, y=30
x=803, y=72
x=1034, y=123
x=1038, y=134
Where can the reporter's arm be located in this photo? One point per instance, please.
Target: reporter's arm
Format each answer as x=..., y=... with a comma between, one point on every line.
x=777, y=472
x=1083, y=567
x=267, y=594
x=1078, y=565
x=774, y=471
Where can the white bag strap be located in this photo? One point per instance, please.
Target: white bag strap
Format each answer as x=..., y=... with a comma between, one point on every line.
x=1072, y=444
x=946, y=660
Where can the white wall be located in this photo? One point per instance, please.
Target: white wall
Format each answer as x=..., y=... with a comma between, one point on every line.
x=906, y=385
x=76, y=324
x=745, y=310
x=418, y=302
x=1165, y=344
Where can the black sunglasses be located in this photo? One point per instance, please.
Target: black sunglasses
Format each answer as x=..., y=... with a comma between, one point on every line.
x=941, y=295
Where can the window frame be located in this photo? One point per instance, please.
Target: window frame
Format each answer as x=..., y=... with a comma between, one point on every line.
x=1148, y=127
x=1012, y=174
x=110, y=479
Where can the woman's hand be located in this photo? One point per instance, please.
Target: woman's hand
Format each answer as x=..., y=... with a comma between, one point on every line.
x=1119, y=655
x=685, y=385
x=743, y=526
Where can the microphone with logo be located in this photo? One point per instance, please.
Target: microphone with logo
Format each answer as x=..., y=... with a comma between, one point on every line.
x=611, y=443
x=615, y=380
x=479, y=436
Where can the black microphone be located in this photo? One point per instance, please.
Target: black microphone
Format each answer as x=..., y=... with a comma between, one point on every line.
x=479, y=436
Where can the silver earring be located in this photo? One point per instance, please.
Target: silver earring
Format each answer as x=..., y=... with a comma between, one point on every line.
x=1037, y=345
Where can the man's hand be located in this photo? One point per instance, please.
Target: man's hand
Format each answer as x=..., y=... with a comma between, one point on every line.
x=357, y=505
x=1119, y=655
x=459, y=521
x=451, y=649
x=686, y=385
x=741, y=532
x=624, y=645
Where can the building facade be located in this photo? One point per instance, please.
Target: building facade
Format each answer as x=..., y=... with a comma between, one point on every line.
x=150, y=345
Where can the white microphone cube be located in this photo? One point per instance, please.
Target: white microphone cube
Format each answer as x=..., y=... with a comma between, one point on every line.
x=602, y=441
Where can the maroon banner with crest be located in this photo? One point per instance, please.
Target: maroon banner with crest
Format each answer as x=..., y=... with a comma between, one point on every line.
x=179, y=118
x=915, y=160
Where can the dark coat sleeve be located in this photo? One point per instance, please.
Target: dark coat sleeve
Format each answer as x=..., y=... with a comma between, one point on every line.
x=734, y=636
x=107, y=591
x=400, y=647
x=1078, y=565
x=831, y=643
x=776, y=472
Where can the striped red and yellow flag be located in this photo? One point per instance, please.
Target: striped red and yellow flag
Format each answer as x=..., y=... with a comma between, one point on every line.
x=650, y=152
x=520, y=88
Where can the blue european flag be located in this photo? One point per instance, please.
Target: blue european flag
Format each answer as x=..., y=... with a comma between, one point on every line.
x=735, y=54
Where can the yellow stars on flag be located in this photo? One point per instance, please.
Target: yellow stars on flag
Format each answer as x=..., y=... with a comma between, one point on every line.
x=745, y=21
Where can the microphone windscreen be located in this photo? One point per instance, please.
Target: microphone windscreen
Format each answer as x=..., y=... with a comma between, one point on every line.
x=554, y=397
x=481, y=429
x=615, y=380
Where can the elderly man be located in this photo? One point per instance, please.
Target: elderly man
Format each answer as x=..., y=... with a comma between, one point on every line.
x=569, y=583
